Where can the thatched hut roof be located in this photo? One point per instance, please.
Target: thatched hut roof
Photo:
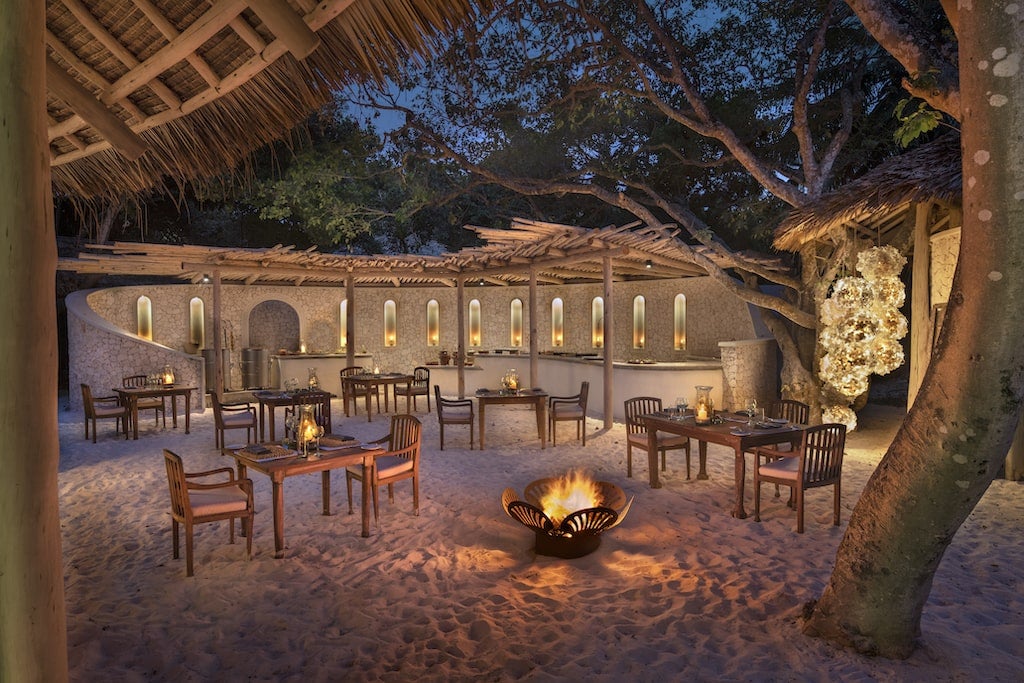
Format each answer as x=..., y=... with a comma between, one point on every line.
x=146, y=91
x=558, y=254
x=873, y=204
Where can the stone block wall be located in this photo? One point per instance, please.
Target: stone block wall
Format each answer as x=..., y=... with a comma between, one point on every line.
x=750, y=369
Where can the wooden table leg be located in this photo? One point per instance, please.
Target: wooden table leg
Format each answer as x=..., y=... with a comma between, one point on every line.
x=263, y=420
x=741, y=475
x=367, y=493
x=174, y=411
x=369, y=411
x=481, y=405
x=278, y=496
x=652, y=458
x=271, y=420
x=325, y=490
x=702, y=451
x=135, y=417
x=540, y=408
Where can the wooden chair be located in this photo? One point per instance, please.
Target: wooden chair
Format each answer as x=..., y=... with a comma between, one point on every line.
x=401, y=461
x=155, y=403
x=103, y=407
x=351, y=391
x=636, y=433
x=454, y=411
x=817, y=462
x=232, y=416
x=420, y=387
x=569, y=408
x=788, y=409
x=195, y=502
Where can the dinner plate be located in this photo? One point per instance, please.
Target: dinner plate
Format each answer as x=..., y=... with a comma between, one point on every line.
x=739, y=432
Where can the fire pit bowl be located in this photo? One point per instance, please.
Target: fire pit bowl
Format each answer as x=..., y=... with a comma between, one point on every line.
x=578, y=532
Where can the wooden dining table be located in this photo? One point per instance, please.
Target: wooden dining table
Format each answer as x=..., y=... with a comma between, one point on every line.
x=371, y=382
x=280, y=468
x=269, y=400
x=733, y=431
x=531, y=397
x=130, y=397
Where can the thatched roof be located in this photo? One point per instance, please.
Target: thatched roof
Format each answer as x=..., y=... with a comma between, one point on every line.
x=141, y=91
x=873, y=204
x=559, y=254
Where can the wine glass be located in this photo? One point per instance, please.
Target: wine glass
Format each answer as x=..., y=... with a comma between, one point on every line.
x=752, y=411
x=680, y=405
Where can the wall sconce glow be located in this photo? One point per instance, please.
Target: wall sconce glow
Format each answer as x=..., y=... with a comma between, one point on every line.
x=196, y=326
x=648, y=264
x=679, y=322
x=390, y=323
x=516, y=322
x=144, y=315
x=206, y=279
x=557, y=323
x=474, y=322
x=639, y=322
x=343, y=324
x=597, y=322
x=433, y=323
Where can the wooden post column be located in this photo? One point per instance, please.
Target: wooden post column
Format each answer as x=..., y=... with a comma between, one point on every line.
x=33, y=620
x=533, y=326
x=460, y=304
x=609, y=344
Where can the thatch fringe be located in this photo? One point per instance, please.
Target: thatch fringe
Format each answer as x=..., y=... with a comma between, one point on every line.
x=930, y=172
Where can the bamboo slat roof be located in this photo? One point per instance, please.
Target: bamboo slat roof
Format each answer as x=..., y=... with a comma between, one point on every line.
x=873, y=205
x=559, y=254
x=146, y=92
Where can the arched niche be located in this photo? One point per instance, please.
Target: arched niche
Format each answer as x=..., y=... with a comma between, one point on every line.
x=274, y=325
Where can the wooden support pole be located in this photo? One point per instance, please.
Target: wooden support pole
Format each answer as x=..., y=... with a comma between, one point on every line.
x=533, y=327
x=460, y=305
x=117, y=133
x=288, y=26
x=218, y=341
x=350, y=321
x=33, y=618
x=609, y=344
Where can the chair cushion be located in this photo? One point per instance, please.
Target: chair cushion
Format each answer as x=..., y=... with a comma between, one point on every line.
x=237, y=419
x=664, y=440
x=390, y=465
x=458, y=413
x=217, y=501
x=784, y=468
x=567, y=410
x=108, y=411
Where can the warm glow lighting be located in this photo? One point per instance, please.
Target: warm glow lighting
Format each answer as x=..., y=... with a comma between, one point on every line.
x=597, y=322
x=569, y=493
x=679, y=321
x=557, y=322
x=168, y=375
x=516, y=322
x=307, y=431
x=343, y=325
x=196, y=329
x=144, y=312
x=474, y=322
x=433, y=323
x=639, y=322
x=390, y=323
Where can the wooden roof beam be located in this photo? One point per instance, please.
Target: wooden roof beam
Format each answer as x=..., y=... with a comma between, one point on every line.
x=117, y=133
x=290, y=28
x=165, y=27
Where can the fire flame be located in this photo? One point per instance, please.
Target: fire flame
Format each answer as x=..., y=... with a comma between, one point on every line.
x=570, y=492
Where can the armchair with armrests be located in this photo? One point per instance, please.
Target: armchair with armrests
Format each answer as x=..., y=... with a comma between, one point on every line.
x=453, y=411
x=817, y=462
x=103, y=407
x=420, y=386
x=400, y=462
x=636, y=433
x=569, y=409
x=195, y=502
x=232, y=416
x=155, y=403
x=353, y=391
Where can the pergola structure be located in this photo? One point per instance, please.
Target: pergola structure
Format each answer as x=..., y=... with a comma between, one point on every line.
x=101, y=98
x=528, y=253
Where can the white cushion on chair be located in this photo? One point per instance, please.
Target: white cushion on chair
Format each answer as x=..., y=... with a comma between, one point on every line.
x=216, y=501
x=458, y=413
x=237, y=419
x=567, y=410
x=390, y=465
x=664, y=440
x=108, y=411
x=784, y=468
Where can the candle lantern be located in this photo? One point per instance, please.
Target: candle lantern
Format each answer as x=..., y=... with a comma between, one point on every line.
x=314, y=381
x=308, y=432
x=704, y=407
x=168, y=375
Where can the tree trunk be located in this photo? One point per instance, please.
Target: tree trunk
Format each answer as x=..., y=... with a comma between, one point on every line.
x=955, y=437
x=33, y=630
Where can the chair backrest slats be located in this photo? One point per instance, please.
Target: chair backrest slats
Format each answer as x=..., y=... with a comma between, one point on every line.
x=176, y=483
x=788, y=409
x=635, y=407
x=822, y=453
x=404, y=437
